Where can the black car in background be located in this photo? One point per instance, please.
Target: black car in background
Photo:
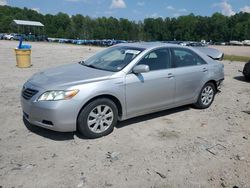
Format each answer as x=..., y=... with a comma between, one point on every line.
x=246, y=70
x=1, y=36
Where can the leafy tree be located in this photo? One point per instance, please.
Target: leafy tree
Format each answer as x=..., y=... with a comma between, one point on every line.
x=217, y=27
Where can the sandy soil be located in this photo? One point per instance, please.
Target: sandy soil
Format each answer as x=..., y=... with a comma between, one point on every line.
x=183, y=147
x=234, y=50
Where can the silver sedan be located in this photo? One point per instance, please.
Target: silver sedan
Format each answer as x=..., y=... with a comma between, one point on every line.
x=119, y=83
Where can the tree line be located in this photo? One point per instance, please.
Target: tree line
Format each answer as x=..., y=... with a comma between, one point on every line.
x=190, y=27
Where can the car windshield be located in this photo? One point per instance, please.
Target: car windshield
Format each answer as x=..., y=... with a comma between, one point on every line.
x=113, y=59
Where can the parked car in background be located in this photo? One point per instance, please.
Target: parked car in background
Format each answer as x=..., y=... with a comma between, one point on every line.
x=186, y=43
x=14, y=36
x=235, y=43
x=246, y=42
x=182, y=43
x=17, y=36
x=53, y=39
x=220, y=43
x=9, y=36
x=196, y=44
x=2, y=36
x=118, y=83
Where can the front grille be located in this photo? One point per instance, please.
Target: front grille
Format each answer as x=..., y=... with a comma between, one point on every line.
x=28, y=93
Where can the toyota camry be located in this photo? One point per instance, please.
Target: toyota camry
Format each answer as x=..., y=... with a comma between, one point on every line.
x=118, y=83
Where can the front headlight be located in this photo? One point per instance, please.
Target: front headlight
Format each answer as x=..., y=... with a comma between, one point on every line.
x=57, y=95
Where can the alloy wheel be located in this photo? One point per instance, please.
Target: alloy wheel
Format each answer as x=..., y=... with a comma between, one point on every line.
x=207, y=95
x=100, y=118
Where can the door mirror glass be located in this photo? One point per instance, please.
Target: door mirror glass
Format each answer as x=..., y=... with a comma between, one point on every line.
x=140, y=69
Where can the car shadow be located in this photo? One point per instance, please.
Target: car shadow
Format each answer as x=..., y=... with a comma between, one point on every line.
x=57, y=136
x=242, y=78
x=142, y=118
x=61, y=136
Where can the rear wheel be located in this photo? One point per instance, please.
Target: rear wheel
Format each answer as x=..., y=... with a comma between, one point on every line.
x=98, y=118
x=206, y=96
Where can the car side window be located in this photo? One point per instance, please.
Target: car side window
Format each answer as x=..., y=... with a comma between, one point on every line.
x=184, y=58
x=157, y=59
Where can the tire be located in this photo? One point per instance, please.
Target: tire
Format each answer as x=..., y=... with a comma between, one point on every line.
x=97, y=118
x=206, y=96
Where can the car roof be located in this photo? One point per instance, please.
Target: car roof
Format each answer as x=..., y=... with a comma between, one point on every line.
x=204, y=53
x=148, y=45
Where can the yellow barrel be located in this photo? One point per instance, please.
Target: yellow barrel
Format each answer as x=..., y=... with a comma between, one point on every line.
x=23, y=58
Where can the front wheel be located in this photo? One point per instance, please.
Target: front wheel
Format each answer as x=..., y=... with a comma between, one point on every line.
x=98, y=118
x=206, y=96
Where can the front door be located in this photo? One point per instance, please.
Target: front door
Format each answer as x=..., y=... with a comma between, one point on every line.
x=153, y=90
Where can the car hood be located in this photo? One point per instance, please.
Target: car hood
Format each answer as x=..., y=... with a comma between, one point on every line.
x=68, y=75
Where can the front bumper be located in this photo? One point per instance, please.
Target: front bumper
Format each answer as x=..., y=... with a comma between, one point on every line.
x=54, y=115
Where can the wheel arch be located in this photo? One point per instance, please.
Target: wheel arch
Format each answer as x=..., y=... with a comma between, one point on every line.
x=214, y=83
x=210, y=81
x=108, y=96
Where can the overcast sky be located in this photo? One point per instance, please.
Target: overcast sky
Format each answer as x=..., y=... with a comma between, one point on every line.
x=134, y=9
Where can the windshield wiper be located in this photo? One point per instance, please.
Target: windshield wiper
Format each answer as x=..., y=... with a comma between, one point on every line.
x=92, y=66
x=83, y=63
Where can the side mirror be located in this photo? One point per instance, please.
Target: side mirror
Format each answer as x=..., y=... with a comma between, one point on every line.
x=140, y=69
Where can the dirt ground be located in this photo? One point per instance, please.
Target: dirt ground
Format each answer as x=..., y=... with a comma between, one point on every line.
x=234, y=50
x=183, y=147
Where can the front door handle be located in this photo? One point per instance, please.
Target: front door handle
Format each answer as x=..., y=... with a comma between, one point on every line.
x=170, y=75
x=204, y=70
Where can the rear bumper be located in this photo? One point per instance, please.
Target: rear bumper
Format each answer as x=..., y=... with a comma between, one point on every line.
x=219, y=84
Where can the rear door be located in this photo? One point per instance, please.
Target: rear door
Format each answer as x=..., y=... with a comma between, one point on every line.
x=190, y=74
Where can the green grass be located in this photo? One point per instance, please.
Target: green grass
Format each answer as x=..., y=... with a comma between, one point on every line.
x=236, y=58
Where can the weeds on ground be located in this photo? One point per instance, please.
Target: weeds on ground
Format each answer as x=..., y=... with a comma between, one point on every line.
x=236, y=58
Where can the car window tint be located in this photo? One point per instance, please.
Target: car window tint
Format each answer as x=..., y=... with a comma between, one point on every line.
x=157, y=59
x=184, y=57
